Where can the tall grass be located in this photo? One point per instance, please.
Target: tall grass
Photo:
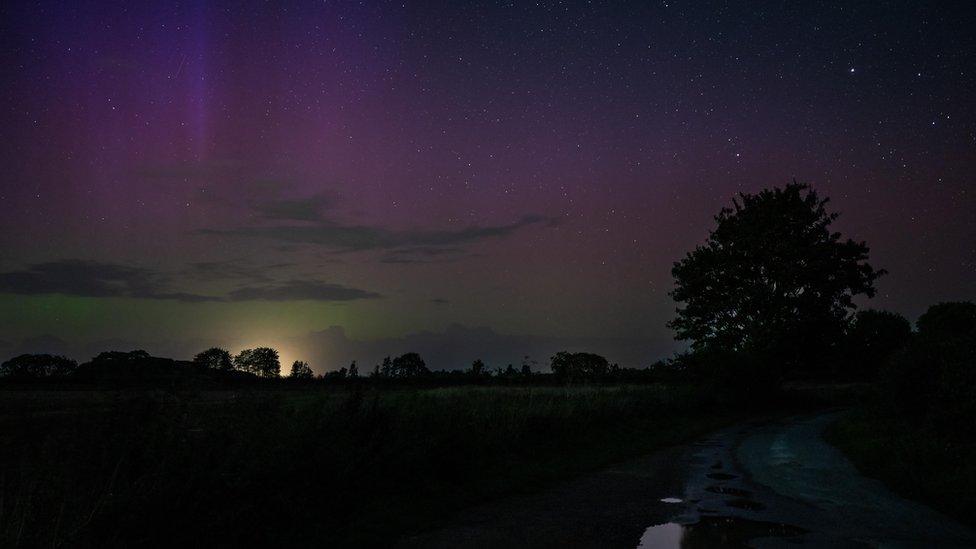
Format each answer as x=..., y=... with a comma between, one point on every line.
x=317, y=466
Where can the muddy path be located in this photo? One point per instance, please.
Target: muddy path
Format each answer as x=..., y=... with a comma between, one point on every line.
x=762, y=484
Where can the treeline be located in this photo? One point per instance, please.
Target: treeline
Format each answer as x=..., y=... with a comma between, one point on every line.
x=218, y=366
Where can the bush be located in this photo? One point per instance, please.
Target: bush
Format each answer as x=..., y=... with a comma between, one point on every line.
x=934, y=377
x=873, y=337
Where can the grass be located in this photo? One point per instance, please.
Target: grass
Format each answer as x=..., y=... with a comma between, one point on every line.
x=338, y=466
x=907, y=456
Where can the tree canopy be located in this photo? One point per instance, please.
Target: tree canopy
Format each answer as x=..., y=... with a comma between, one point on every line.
x=37, y=367
x=771, y=278
x=873, y=337
x=214, y=358
x=570, y=366
x=301, y=370
x=262, y=361
x=408, y=365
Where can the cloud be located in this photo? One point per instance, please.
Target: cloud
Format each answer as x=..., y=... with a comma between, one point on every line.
x=352, y=238
x=294, y=290
x=92, y=279
x=296, y=209
x=233, y=269
x=95, y=279
x=423, y=254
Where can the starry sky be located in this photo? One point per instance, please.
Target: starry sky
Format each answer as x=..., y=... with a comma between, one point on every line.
x=349, y=180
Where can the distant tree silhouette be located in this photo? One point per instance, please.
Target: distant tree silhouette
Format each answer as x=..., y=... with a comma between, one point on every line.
x=477, y=369
x=353, y=370
x=771, y=279
x=138, y=367
x=406, y=366
x=386, y=370
x=262, y=361
x=578, y=366
x=872, y=339
x=301, y=370
x=949, y=319
x=37, y=367
x=334, y=375
x=214, y=358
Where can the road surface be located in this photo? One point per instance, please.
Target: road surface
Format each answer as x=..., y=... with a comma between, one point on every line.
x=763, y=484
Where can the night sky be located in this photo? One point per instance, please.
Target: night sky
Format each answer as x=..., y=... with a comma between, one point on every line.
x=348, y=180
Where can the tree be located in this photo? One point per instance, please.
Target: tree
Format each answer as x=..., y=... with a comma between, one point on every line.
x=262, y=362
x=214, y=358
x=301, y=370
x=37, y=367
x=872, y=339
x=577, y=366
x=477, y=368
x=771, y=279
x=386, y=370
x=934, y=377
x=956, y=318
x=335, y=375
x=408, y=365
x=353, y=370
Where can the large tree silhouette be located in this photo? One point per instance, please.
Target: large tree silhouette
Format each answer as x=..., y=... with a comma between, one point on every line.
x=771, y=279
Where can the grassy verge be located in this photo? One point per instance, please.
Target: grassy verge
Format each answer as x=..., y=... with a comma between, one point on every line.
x=318, y=466
x=911, y=460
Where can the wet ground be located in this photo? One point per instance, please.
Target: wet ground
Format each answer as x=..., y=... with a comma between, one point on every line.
x=780, y=484
x=768, y=484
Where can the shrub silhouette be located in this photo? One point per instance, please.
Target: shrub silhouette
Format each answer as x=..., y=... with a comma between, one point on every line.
x=873, y=337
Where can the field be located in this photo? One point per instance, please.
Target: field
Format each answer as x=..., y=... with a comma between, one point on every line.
x=347, y=465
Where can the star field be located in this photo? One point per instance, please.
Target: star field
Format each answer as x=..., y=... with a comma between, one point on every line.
x=177, y=176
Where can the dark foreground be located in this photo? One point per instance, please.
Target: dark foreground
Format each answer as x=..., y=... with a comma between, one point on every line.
x=442, y=467
x=327, y=467
x=768, y=483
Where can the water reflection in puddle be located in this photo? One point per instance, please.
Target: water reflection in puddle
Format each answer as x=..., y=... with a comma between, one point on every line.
x=714, y=532
x=662, y=535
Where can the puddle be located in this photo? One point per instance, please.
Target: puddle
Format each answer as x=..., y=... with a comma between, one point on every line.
x=662, y=535
x=714, y=532
x=747, y=504
x=671, y=500
x=729, y=491
x=721, y=476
